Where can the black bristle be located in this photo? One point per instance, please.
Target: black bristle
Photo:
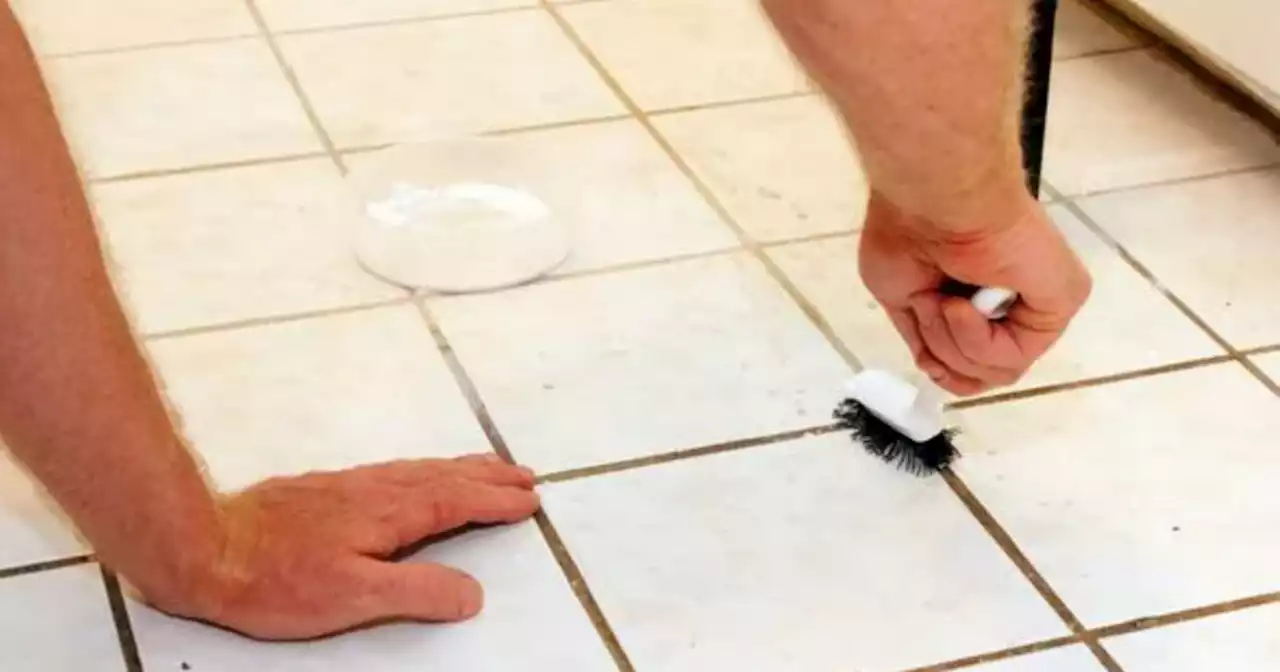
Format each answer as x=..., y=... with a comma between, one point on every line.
x=883, y=441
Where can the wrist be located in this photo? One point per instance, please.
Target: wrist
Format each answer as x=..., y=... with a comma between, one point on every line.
x=984, y=211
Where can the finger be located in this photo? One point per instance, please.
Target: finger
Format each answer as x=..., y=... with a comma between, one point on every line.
x=492, y=469
x=483, y=468
x=417, y=591
x=937, y=337
x=448, y=505
x=985, y=342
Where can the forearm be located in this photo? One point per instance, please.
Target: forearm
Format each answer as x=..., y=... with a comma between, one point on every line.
x=931, y=90
x=78, y=404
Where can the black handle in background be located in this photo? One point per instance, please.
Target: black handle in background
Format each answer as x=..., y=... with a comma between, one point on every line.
x=1036, y=106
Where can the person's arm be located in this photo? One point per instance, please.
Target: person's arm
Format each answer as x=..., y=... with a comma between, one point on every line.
x=78, y=405
x=932, y=93
x=289, y=558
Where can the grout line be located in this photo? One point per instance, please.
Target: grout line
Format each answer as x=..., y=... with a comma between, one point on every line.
x=600, y=271
x=810, y=311
x=1109, y=631
x=45, y=566
x=1172, y=182
x=1262, y=350
x=682, y=455
x=1006, y=543
x=1100, y=52
x=274, y=319
x=404, y=21
x=851, y=234
x=124, y=627
x=1178, y=303
x=292, y=77
x=1001, y=655
x=1138, y=374
x=148, y=46
x=1186, y=615
x=736, y=102
x=572, y=573
x=208, y=167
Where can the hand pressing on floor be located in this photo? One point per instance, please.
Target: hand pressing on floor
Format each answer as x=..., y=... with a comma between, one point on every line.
x=904, y=261
x=305, y=556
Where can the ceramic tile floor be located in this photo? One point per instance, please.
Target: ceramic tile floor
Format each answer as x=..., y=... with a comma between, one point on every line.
x=673, y=383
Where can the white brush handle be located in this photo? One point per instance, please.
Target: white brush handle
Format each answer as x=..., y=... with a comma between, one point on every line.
x=994, y=302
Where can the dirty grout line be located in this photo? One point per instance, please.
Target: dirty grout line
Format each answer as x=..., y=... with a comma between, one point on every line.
x=45, y=566
x=274, y=319
x=810, y=311
x=207, y=168
x=572, y=573
x=292, y=77
x=1100, y=52
x=1261, y=350
x=1006, y=543
x=1100, y=381
x=1186, y=615
x=1177, y=302
x=1108, y=631
x=1003, y=654
x=736, y=102
x=444, y=17
x=120, y=617
x=683, y=455
x=148, y=46
x=1170, y=182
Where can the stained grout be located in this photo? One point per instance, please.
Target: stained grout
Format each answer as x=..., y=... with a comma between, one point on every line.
x=684, y=455
x=148, y=46
x=274, y=319
x=208, y=167
x=123, y=625
x=997, y=656
x=1082, y=384
x=568, y=566
x=1100, y=52
x=1170, y=182
x=44, y=566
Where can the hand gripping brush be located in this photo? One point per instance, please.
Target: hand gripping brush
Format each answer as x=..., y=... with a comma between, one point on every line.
x=901, y=423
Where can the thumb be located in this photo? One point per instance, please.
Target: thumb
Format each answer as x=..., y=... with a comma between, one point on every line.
x=420, y=591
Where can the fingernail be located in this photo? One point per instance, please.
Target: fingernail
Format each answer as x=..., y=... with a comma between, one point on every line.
x=935, y=372
x=471, y=602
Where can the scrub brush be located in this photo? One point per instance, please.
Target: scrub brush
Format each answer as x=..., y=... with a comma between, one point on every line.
x=901, y=423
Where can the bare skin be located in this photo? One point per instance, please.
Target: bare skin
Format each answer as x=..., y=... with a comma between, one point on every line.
x=931, y=90
x=301, y=557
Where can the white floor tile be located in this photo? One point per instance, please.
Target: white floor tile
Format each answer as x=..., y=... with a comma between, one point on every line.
x=1128, y=119
x=309, y=14
x=804, y=556
x=31, y=525
x=63, y=26
x=1136, y=498
x=1212, y=243
x=228, y=245
x=1071, y=659
x=783, y=169
x=531, y=621
x=58, y=621
x=606, y=368
x=622, y=198
x=325, y=393
x=1243, y=641
x=674, y=53
x=1080, y=30
x=1139, y=326
x=177, y=107
x=424, y=80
